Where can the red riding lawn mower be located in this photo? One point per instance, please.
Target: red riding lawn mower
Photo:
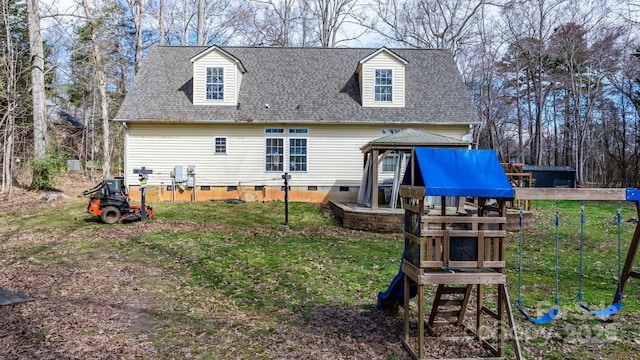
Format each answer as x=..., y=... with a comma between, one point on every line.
x=110, y=202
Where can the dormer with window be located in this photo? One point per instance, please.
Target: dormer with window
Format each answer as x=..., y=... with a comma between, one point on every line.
x=382, y=79
x=216, y=77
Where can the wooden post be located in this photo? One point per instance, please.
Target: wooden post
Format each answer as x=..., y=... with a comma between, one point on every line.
x=512, y=323
x=501, y=302
x=479, y=305
x=406, y=308
x=627, y=270
x=420, y=321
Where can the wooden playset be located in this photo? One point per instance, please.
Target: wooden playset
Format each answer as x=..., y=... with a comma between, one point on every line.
x=458, y=248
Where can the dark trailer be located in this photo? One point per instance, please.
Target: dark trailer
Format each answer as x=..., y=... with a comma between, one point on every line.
x=551, y=176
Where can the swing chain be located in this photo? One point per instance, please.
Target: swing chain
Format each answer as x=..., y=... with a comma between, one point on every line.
x=557, y=252
x=619, y=221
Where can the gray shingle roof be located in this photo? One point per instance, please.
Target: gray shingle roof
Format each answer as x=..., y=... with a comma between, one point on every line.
x=415, y=137
x=546, y=168
x=308, y=85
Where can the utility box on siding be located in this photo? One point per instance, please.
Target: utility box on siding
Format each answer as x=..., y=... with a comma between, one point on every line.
x=178, y=174
x=551, y=176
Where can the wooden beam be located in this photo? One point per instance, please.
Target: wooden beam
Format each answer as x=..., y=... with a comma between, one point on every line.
x=570, y=194
x=627, y=270
x=410, y=191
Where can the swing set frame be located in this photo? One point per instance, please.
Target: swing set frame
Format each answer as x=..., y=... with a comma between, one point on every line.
x=589, y=194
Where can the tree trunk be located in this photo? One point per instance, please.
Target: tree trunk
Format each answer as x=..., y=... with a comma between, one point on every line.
x=102, y=90
x=136, y=8
x=185, y=23
x=7, y=154
x=161, y=22
x=37, y=79
x=139, y=8
x=9, y=80
x=201, y=40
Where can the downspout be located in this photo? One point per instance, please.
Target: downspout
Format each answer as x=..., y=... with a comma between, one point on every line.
x=126, y=155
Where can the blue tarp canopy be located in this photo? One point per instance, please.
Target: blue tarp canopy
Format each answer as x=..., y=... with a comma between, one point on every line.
x=453, y=172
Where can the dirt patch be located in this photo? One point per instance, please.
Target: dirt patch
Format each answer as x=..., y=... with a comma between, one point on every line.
x=68, y=188
x=92, y=308
x=75, y=314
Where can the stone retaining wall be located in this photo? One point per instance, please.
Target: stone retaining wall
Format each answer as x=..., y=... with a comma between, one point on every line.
x=383, y=222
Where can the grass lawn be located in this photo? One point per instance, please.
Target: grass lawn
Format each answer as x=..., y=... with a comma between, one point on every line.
x=217, y=281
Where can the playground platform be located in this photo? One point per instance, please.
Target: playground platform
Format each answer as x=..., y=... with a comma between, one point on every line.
x=385, y=220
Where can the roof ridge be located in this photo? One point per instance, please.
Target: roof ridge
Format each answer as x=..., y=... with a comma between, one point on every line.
x=300, y=47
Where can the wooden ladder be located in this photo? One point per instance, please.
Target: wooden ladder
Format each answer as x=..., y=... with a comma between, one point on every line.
x=449, y=305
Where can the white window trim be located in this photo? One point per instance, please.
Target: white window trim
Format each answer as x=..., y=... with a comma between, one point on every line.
x=224, y=90
x=288, y=150
x=376, y=85
x=226, y=145
x=275, y=133
x=284, y=153
x=285, y=136
x=304, y=132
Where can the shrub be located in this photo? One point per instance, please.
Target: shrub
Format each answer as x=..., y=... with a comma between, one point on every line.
x=45, y=168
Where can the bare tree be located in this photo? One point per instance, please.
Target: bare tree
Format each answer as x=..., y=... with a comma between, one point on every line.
x=171, y=27
x=441, y=24
x=9, y=81
x=186, y=17
x=38, y=91
x=275, y=22
x=102, y=90
x=329, y=16
x=136, y=8
x=161, y=22
x=529, y=24
x=201, y=30
x=487, y=88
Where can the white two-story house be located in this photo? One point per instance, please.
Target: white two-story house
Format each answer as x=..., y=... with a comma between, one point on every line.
x=228, y=122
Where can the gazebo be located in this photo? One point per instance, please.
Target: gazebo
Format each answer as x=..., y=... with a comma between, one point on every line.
x=400, y=143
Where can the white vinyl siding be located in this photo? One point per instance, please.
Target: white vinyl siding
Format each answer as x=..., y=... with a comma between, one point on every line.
x=232, y=77
x=382, y=61
x=333, y=154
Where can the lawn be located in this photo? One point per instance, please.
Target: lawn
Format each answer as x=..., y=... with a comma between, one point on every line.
x=217, y=281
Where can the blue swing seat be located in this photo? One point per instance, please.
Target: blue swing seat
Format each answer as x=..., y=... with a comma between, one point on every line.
x=544, y=319
x=608, y=311
x=604, y=313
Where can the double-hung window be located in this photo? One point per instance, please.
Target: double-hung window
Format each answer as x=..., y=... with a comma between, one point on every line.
x=383, y=87
x=297, y=150
x=215, y=83
x=274, y=150
x=276, y=153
